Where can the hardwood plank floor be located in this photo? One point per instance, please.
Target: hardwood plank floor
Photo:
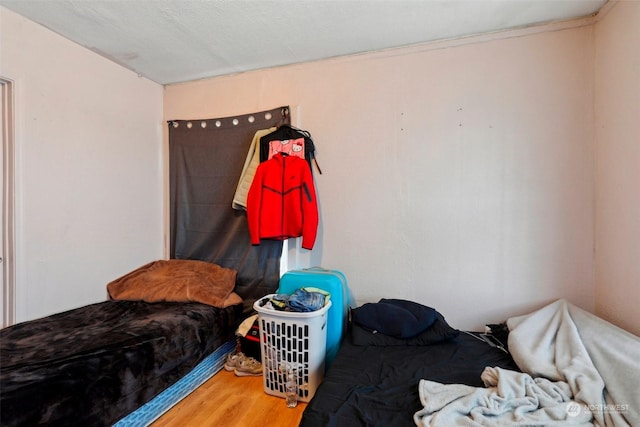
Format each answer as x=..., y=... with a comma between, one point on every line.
x=230, y=401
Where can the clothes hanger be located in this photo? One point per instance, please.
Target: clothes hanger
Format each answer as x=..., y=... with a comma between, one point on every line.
x=285, y=124
x=284, y=117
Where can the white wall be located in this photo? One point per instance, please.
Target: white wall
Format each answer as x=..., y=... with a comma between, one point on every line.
x=617, y=130
x=459, y=177
x=88, y=169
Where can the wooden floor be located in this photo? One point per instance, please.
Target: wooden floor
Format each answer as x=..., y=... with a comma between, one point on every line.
x=230, y=401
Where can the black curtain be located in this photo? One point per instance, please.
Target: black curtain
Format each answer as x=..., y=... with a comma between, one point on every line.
x=206, y=158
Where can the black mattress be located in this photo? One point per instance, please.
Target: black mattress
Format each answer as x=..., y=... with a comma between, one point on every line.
x=96, y=364
x=378, y=385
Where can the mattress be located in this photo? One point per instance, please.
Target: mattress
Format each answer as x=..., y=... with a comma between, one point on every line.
x=373, y=385
x=98, y=363
x=156, y=407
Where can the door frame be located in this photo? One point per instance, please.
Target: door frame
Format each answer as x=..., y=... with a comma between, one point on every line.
x=7, y=111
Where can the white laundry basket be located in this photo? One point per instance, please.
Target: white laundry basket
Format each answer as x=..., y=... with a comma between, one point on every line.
x=292, y=341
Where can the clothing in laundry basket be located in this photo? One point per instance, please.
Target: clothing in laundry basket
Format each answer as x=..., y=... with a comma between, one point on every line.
x=302, y=300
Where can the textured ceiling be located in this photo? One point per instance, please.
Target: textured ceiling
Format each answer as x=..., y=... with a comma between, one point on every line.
x=171, y=41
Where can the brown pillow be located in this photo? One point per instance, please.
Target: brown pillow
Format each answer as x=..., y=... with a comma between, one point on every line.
x=177, y=281
x=232, y=299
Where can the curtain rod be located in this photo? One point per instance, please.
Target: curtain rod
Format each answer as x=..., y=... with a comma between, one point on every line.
x=235, y=121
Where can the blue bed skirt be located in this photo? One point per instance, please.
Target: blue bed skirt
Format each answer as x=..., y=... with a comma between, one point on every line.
x=160, y=404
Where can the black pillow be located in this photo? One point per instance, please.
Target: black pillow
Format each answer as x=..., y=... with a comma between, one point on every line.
x=394, y=317
x=438, y=332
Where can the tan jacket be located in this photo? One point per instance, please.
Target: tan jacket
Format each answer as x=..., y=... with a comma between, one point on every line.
x=249, y=170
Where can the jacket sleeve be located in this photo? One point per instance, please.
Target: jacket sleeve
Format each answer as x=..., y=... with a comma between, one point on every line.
x=254, y=202
x=309, y=209
x=248, y=171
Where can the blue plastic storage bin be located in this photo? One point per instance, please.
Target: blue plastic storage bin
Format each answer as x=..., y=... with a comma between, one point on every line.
x=332, y=281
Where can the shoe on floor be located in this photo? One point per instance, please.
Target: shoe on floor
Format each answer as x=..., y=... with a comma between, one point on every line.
x=248, y=367
x=232, y=361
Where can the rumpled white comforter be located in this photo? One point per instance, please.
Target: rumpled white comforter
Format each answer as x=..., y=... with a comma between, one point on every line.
x=577, y=369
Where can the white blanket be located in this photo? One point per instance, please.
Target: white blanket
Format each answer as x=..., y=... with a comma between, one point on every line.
x=577, y=369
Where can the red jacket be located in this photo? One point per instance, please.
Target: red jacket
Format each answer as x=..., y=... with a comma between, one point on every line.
x=282, y=201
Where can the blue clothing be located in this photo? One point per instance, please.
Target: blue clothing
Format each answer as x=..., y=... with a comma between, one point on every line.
x=300, y=301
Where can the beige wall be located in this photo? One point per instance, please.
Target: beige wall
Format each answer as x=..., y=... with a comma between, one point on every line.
x=617, y=131
x=88, y=169
x=459, y=177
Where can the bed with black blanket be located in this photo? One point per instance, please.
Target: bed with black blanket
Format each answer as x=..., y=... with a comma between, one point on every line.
x=96, y=364
x=565, y=366
x=373, y=381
